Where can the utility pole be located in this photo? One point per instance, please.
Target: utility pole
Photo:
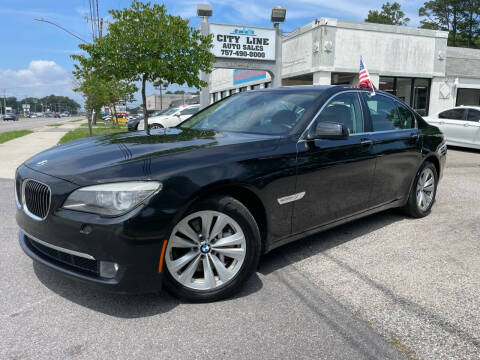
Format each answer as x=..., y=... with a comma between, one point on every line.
x=4, y=102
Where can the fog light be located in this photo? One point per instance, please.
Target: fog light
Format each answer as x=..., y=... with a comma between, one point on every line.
x=108, y=269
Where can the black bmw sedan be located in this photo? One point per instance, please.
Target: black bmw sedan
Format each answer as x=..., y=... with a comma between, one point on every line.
x=193, y=208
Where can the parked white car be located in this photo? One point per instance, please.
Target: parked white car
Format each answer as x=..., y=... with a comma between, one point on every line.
x=461, y=125
x=170, y=118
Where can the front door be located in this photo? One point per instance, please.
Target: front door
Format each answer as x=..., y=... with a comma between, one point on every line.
x=397, y=147
x=334, y=176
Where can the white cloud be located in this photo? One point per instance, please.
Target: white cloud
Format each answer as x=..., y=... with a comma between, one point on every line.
x=41, y=78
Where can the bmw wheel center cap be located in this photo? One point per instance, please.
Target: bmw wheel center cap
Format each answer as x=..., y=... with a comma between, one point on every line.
x=205, y=248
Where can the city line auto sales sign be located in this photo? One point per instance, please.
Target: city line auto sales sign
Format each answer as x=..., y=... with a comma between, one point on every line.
x=243, y=42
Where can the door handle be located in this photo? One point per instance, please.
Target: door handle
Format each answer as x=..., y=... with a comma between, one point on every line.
x=441, y=122
x=414, y=135
x=366, y=142
x=466, y=124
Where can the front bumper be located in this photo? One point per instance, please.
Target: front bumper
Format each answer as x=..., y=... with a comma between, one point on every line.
x=81, y=245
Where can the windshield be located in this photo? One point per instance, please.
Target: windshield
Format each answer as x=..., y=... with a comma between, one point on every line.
x=256, y=112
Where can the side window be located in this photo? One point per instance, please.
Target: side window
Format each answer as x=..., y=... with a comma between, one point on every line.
x=383, y=112
x=453, y=114
x=407, y=118
x=345, y=109
x=473, y=115
x=189, y=111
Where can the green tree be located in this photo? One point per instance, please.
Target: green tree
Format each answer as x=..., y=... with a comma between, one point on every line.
x=94, y=90
x=444, y=15
x=469, y=27
x=391, y=14
x=144, y=43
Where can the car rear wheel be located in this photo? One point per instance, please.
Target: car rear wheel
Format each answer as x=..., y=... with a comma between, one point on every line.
x=156, y=126
x=424, y=189
x=212, y=250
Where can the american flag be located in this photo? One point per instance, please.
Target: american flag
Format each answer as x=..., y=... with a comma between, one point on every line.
x=364, y=77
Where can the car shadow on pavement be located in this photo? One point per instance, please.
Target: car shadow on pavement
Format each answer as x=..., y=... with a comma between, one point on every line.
x=312, y=245
x=120, y=305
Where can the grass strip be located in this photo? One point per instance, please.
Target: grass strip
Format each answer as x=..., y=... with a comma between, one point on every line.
x=10, y=135
x=82, y=132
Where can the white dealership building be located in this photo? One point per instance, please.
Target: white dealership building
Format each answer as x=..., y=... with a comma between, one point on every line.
x=414, y=64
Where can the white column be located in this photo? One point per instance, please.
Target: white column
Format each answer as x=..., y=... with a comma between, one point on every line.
x=322, y=78
x=375, y=78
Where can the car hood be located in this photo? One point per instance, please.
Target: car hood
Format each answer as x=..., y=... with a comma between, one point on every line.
x=74, y=160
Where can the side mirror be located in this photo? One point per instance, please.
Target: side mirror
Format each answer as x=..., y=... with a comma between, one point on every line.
x=177, y=115
x=328, y=130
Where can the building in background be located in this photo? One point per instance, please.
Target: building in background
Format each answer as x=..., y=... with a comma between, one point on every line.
x=164, y=101
x=414, y=64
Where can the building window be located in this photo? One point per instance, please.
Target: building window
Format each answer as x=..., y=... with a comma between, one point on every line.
x=468, y=97
x=255, y=87
x=224, y=94
x=267, y=85
x=231, y=91
x=242, y=89
x=413, y=92
x=214, y=97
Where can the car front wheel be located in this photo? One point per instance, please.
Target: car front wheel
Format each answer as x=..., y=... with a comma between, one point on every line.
x=212, y=251
x=424, y=189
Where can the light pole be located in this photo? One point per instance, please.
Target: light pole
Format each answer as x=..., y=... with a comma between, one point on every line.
x=204, y=11
x=278, y=15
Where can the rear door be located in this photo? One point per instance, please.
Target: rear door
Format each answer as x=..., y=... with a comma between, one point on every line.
x=334, y=177
x=452, y=123
x=473, y=126
x=396, y=145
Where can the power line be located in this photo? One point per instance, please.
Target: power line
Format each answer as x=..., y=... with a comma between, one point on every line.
x=64, y=29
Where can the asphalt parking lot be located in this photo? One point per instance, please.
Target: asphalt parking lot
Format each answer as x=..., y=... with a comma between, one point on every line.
x=31, y=124
x=383, y=287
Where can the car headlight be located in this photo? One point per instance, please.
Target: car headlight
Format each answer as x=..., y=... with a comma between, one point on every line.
x=111, y=199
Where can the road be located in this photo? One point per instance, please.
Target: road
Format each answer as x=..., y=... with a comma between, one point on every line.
x=31, y=124
x=384, y=287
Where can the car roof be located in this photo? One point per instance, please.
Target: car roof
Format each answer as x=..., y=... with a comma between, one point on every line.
x=460, y=107
x=320, y=89
x=468, y=106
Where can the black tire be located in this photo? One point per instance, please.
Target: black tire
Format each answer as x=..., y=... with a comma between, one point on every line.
x=237, y=211
x=412, y=208
x=156, y=126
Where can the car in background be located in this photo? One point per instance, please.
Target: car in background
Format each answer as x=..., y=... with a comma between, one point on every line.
x=132, y=124
x=65, y=114
x=10, y=116
x=171, y=118
x=33, y=115
x=122, y=117
x=461, y=125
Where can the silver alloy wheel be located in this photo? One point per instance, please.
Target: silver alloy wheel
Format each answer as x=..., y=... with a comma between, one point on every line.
x=206, y=250
x=425, y=189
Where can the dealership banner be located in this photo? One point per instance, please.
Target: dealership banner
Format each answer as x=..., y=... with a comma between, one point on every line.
x=230, y=41
x=243, y=76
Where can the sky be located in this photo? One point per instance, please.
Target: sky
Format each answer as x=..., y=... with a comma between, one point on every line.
x=36, y=56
